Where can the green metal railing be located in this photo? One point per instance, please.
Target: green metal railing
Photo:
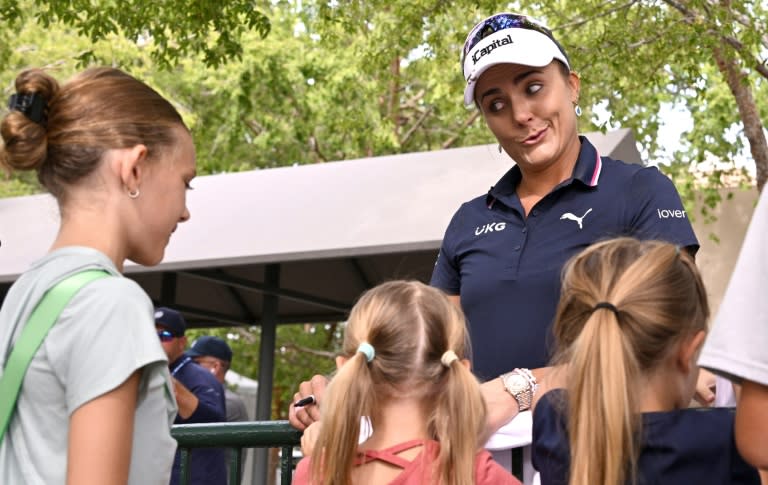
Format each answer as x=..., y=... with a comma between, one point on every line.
x=237, y=436
x=257, y=434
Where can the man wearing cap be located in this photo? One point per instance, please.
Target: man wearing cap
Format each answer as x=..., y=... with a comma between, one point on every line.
x=214, y=354
x=199, y=395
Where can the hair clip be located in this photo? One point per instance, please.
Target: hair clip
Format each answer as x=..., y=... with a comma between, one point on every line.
x=31, y=105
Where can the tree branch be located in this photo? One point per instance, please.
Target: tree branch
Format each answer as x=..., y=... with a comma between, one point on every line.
x=415, y=126
x=603, y=13
x=307, y=350
x=468, y=122
x=690, y=17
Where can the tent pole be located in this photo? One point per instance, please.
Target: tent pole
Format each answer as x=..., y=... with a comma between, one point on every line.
x=261, y=466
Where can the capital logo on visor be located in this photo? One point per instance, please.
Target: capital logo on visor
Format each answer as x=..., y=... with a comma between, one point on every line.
x=490, y=47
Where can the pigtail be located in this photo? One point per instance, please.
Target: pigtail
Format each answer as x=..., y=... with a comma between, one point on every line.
x=456, y=423
x=347, y=399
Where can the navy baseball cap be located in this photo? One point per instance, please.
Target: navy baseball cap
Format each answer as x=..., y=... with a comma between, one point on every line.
x=208, y=345
x=171, y=320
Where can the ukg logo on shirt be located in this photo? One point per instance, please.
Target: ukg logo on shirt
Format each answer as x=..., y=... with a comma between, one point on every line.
x=490, y=227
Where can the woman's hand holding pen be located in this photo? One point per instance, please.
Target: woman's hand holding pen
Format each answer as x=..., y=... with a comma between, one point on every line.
x=304, y=409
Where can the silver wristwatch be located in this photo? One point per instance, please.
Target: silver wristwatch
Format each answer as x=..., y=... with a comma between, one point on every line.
x=522, y=385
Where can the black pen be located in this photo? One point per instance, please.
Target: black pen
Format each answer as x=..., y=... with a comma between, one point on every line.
x=305, y=401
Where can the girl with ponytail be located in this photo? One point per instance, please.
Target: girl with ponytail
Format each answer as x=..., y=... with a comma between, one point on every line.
x=403, y=365
x=630, y=323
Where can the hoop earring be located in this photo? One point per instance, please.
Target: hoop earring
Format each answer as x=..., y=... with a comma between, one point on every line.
x=134, y=194
x=577, y=109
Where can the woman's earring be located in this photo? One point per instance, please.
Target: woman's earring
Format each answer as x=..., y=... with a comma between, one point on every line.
x=577, y=109
x=133, y=194
x=500, y=148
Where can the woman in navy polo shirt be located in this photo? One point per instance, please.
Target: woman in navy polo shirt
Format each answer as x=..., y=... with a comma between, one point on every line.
x=560, y=197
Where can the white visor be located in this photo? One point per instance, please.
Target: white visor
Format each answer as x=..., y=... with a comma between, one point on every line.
x=509, y=46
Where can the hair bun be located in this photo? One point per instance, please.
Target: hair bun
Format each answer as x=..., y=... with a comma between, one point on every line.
x=25, y=140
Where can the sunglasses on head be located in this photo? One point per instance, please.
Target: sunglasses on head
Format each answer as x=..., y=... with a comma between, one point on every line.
x=165, y=335
x=499, y=22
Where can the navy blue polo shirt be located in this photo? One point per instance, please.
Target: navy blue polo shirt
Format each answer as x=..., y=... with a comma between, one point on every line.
x=507, y=267
x=684, y=446
x=207, y=465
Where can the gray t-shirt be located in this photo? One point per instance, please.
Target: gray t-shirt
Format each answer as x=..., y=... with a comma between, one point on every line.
x=737, y=346
x=104, y=334
x=235, y=406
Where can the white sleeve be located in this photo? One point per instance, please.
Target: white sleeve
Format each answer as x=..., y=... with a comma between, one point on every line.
x=737, y=346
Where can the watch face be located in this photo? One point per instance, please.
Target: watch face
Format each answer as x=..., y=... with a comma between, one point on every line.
x=516, y=383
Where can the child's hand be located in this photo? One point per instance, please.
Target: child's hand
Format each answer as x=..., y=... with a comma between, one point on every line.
x=309, y=438
x=705, y=388
x=301, y=417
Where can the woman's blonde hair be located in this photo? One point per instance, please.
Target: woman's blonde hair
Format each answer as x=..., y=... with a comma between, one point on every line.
x=659, y=299
x=97, y=110
x=410, y=326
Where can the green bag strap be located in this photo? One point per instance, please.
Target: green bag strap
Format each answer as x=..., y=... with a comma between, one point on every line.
x=40, y=322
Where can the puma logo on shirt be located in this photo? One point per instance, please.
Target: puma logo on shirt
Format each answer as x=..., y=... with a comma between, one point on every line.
x=571, y=217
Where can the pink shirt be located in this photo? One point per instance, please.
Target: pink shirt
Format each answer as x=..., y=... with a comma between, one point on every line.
x=487, y=471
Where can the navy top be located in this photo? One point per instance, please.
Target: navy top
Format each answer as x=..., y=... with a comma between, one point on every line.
x=507, y=267
x=208, y=465
x=687, y=446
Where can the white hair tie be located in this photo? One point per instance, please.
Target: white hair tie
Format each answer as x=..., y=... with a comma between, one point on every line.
x=448, y=358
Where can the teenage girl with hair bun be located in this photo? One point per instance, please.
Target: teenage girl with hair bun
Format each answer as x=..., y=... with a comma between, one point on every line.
x=403, y=364
x=630, y=323
x=96, y=404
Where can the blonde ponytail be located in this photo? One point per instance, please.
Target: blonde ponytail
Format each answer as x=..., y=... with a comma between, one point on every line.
x=601, y=397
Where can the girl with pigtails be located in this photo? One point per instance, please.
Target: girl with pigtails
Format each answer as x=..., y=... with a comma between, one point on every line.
x=403, y=365
x=630, y=323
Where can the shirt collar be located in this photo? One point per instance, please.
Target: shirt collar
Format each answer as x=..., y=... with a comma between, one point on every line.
x=587, y=170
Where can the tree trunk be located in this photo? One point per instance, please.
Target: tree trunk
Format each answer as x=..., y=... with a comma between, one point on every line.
x=750, y=117
x=394, y=95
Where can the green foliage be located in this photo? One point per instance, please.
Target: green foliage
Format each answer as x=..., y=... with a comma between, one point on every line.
x=178, y=28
